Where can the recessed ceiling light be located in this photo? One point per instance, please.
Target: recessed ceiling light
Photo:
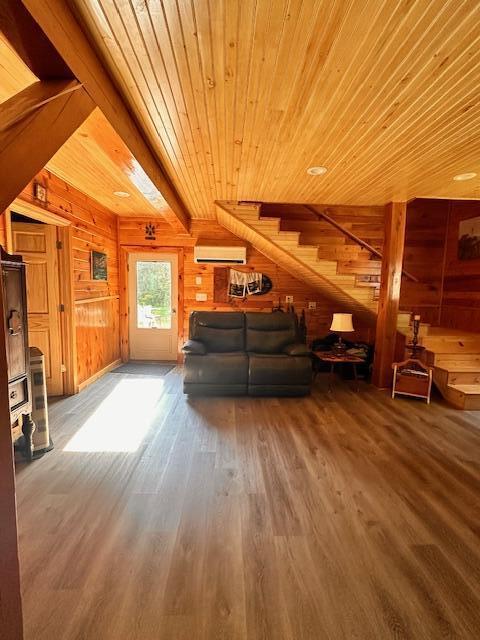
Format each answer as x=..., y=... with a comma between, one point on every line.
x=317, y=171
x=121, y=194
x=465, y=176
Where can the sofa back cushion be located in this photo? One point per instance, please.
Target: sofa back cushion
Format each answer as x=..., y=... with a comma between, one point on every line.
x=269, y=332
x=220, y=332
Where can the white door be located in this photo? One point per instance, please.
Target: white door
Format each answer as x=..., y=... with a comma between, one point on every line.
x=153, y=296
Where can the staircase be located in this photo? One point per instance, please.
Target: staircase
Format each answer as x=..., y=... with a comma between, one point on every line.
x=312, y=250
x=318, y=253
x=455, y=357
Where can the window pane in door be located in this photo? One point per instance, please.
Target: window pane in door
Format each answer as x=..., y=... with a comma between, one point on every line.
x=154, y=295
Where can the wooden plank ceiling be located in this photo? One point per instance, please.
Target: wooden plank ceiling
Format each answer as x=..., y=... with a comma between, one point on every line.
x=239, y=97
x=94, y=159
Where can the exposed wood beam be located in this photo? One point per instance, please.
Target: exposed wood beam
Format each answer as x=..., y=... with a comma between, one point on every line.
x=63, y=30
x=32, y=100
x=11, y=625
x=28, y=144
x=386, y=333
x=30, y=43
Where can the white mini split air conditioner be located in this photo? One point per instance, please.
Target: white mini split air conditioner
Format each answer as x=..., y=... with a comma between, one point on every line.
x=223, y=255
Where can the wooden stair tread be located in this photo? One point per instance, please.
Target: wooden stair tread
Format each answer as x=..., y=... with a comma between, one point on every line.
x=460, y=368
x=444, y=332
x=467, y=389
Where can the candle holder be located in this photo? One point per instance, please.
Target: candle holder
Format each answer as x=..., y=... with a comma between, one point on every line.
x=414, y=347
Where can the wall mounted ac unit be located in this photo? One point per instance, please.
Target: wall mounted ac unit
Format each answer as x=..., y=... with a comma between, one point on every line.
x=224, y=255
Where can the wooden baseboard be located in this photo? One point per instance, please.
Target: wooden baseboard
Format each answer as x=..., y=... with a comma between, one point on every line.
x=99, y=374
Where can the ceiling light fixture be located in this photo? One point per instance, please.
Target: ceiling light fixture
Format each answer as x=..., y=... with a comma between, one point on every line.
x=316, y=171
x=465, y=176
x=121, y=194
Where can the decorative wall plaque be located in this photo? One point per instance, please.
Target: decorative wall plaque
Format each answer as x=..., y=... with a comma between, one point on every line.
x=149, y=231
x=40, y=192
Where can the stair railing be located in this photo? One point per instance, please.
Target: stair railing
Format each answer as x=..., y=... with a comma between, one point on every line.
x=355, y=238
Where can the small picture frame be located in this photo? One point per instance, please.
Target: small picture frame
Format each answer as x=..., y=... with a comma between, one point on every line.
x=469, y=239
x=99, y=265
x=40, y=192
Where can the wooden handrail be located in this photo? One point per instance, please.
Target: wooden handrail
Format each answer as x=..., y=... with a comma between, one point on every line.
x=355, y=238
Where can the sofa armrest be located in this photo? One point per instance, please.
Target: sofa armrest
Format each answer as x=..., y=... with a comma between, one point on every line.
x=194, y=347
x=296, y=349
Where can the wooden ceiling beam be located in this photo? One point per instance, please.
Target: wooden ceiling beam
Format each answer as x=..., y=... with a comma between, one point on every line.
x=29, y=140
x=65, y=33
x=38, y=95
x=30, y=43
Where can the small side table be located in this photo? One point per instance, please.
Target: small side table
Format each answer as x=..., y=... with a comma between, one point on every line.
x=332, y=360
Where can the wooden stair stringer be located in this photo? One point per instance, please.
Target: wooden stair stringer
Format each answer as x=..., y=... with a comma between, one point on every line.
x=286, y=260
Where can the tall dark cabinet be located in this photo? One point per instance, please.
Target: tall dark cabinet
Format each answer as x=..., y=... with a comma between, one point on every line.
x=13, y=282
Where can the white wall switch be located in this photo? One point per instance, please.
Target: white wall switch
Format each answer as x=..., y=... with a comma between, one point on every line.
x=289, y=299
x=312, y=305
x=201, y=297
x=198, y=280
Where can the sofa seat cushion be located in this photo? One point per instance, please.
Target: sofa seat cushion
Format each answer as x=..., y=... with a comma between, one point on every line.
x=216, y=368
x=279, y=369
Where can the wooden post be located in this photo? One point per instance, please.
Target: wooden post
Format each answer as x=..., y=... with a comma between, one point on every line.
x=386, y=333
x=11, y=621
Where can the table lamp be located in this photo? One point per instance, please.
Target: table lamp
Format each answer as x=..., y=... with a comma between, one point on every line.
x=341, y=323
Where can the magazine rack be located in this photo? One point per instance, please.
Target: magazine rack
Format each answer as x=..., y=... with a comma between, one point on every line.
x=412, y=378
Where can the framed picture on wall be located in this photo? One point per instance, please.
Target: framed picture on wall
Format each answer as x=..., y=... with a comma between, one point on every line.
x=469, y=239
x=99, y=265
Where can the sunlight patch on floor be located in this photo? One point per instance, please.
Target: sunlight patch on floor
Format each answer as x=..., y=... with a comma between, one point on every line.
x=121, y=421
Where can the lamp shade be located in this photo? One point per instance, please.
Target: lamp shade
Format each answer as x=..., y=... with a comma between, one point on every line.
x=342, y=322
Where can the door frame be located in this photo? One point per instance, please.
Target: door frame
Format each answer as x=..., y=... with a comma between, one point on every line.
x=123, y=255
x=65, y=280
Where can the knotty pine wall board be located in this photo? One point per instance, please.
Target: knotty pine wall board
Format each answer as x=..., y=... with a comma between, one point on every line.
x=132, y=233
x=94, y=228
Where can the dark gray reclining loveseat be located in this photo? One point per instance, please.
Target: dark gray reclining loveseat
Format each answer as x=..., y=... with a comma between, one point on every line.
x=231, y=353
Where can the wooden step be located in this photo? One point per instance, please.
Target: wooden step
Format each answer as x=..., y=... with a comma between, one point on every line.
x=452, y=344
x=360, y=267
x=310, y=226
x=446, y=360
x=459, y=375
x=464, y=396
x=367, y=281
x=324, y=241
x=337, y=252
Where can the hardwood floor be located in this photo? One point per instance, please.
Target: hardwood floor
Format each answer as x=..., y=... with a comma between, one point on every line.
x=348, y=516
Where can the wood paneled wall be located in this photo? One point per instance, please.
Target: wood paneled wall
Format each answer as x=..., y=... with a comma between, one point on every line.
x=424, y=258
x=97, y=324
x=132, y=233
x=94, y=228
x=96, y=302
x=448, y=294
x=461, y=285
